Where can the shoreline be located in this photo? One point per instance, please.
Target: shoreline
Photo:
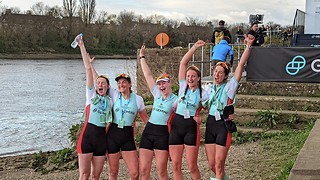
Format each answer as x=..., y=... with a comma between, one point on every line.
x=41, y=56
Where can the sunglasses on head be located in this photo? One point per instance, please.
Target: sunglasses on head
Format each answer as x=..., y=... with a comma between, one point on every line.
x=103, y=76
x=193, y=67
x=163, y=76
x=123, y=75
x=224, y=65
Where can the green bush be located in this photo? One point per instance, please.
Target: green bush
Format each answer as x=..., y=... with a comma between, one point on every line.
x=39, y=159
x=292, y=120
x=148, y=100
x=241, y=137
x=175, y=89
x=266, y=119
x=63, y=156
x=38, y=162
x=74, y=133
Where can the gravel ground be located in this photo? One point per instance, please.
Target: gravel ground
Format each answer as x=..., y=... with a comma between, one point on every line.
x=242, y=163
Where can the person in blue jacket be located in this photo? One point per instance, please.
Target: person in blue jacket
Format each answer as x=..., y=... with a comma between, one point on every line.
x=221, y=51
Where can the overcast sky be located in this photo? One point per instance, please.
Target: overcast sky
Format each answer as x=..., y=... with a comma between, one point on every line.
x=232, y=11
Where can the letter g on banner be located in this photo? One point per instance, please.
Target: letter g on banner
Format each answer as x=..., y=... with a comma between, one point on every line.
x=294, y=66
x=315, y=65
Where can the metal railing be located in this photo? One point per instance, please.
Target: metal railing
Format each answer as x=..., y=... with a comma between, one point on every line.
x=237, y=51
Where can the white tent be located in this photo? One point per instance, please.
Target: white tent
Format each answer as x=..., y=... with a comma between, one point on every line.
x=312, y=17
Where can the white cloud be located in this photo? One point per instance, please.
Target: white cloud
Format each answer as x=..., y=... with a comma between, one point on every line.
x=278, y=11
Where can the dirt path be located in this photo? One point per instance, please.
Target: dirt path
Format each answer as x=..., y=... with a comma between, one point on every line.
x=244, y=162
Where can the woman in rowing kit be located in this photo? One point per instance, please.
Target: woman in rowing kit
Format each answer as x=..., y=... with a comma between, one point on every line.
x=155, y=137
x=120, y=136
x=185, y=131
x=92, y=144
x=221, y=93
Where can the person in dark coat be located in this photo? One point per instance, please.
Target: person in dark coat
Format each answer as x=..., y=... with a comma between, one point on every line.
x=219, y=33
x=258, y=36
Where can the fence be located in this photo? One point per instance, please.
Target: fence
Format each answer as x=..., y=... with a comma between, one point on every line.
x=205, y=56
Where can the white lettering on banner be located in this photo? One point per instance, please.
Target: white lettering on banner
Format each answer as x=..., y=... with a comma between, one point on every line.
x=315, y=65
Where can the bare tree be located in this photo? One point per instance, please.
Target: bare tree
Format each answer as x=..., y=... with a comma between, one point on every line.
x=112, y=19
x=55, y=11
x=171, y=23
x=69, y=7
x=87, y=10
x=156, y=19
x=15, y=10
x=193, y=21
x=102, y=17
x=1, y=7
x=69, y=10
x=39, y=8
x=126, y=17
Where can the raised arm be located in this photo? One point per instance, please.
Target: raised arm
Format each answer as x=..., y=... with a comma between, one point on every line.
x=187, y=57
x=145, y=68
x=86, y=62
x=94, y=72
x=244, y=58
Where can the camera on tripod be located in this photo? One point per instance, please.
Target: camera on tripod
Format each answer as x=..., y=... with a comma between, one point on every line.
x=256, y=18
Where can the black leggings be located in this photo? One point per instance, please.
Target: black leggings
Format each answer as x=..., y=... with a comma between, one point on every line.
x=120, y=139
x=216, y=132
x=93, y=139
x=184, y=131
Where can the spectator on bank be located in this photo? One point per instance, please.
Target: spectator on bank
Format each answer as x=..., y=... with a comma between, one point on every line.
x=263, y=30
x=239, y=34
x=221, y=51
x=219, y=32
x=258, y=36
x=290, y=35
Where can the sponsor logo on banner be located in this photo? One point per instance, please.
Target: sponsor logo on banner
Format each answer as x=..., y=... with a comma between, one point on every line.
x=298, y=63
x=315, y=65
x=294, y=66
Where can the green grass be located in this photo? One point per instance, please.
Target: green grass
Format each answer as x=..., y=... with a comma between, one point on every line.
x=284, y=148
x=279, y=150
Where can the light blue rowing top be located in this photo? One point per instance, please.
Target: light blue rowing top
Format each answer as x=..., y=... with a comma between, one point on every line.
x=228, y=91
x=127, y=110
x=191, y=101
x=100, y=108
x=162, y=108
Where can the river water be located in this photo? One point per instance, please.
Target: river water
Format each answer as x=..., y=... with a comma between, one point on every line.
x=42, y=99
